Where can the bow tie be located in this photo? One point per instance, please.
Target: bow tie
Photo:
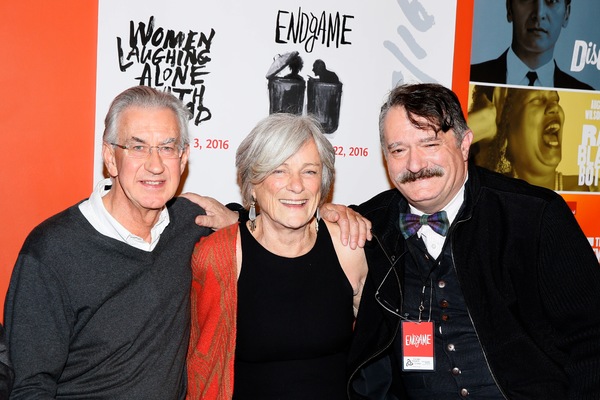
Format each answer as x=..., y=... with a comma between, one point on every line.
x=411, y=223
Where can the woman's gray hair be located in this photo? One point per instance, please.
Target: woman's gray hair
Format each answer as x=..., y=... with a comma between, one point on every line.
x=145, y=97
x=272, y=141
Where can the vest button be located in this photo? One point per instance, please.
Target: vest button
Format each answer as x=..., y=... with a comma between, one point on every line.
x=444, y=303
x=464, y=392
x=456, y=371
x=442, y=284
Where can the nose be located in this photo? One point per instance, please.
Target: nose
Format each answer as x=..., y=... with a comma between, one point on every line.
x=154, y=162
x=553, y=108
x=539, y=9
x=295, y=183
x=415, y=160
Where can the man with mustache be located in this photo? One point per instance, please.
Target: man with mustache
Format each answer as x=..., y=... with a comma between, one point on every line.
x=479, y=285
x=536, y=26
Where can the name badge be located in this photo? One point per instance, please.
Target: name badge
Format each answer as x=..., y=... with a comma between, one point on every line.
x=417, y=346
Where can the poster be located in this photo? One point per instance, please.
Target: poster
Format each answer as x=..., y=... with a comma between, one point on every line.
x=543, y=127
x=231, y=60
x=561, y=34
x=548, y=137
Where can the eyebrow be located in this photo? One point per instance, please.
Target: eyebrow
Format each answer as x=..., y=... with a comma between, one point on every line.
x=430, y=139
x=427, y=139
x=309, y=164
x=392, y=145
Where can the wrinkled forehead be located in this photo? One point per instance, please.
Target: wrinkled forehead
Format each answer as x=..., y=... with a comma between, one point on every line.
x=149, y=123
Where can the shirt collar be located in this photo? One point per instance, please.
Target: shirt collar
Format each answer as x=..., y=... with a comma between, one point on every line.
x=97, y=214
x=516, y=71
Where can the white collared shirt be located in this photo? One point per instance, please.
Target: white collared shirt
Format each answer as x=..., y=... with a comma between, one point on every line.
x=516, y=72
x=433, y=240
x=98, y=216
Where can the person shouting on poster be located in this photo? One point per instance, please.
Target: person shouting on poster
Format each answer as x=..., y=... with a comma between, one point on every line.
x=519, y=132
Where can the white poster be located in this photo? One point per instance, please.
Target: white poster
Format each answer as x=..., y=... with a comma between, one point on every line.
x=233, y=62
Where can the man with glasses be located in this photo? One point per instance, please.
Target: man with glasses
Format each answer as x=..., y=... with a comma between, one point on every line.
x=479, y=285
x=98, y=304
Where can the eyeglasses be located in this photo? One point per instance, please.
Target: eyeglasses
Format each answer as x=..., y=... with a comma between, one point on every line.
x=144, y=150
x=391, y=288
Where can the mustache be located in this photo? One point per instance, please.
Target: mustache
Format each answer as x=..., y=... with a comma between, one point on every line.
x=408, y=176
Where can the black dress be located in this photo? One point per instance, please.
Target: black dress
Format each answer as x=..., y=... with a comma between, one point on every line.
x=294, y=323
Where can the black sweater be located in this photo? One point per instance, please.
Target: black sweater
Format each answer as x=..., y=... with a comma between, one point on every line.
x=90, y=317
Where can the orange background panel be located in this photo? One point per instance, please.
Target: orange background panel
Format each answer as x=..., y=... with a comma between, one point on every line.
x=587, y=213
x=462, y=51
x=47, y=102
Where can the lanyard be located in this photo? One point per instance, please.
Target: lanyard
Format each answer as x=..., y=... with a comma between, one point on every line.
x=412, y=249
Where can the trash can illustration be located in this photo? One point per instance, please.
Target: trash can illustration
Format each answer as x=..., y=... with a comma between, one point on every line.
x=323, y=103
x=286, y=94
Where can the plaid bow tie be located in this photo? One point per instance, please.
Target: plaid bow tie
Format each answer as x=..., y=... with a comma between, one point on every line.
x=411, y=223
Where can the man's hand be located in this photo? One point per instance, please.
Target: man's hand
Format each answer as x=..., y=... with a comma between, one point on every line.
x=355, y=229
x=217, y=215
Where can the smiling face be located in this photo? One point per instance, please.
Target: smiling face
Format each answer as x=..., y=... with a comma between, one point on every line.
x=143, y=185
x=428, y=169
x=535, y=133
x=536, y=26
x=289, y=196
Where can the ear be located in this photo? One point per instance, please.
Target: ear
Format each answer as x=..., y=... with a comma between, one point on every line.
x=567, y=15
x=184, y=159
x=466, y=144
x=508, y=11
x=108, y=156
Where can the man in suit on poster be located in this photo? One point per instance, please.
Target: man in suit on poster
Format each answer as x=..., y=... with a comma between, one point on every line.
x=529, y=61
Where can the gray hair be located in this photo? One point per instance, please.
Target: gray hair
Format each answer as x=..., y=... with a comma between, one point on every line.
x=437, y=104
x=272, y=141
x=145, y=97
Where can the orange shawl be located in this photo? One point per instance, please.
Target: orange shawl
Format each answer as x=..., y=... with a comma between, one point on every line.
x=213, y=316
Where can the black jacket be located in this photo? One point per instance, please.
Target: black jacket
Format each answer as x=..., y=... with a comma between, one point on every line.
x=530, y=280
x=494, y=71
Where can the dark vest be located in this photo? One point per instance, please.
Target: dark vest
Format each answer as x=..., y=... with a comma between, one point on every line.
x=460, y=366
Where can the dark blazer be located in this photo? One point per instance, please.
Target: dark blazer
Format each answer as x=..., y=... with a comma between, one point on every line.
x=530, y=281
x=494, y=71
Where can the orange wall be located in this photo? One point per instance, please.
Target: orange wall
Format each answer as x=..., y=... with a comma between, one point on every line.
x=47, y=102
x=462, y=51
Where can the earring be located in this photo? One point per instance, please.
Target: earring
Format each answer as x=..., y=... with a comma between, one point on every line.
x=252, y=216
x=504, y=166
x=318, y=218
